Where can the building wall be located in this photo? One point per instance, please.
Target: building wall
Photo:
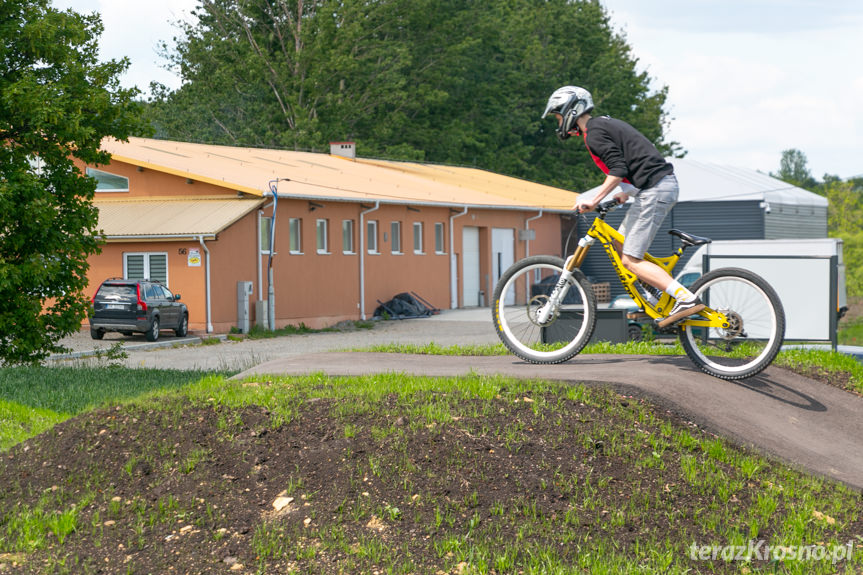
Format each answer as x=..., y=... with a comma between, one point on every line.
x=146, y=182
x=320, y=289
x=787, y=221
x=317, y=289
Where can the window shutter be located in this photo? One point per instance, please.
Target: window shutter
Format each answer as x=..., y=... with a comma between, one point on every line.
x=159, y=267
x=135, y=266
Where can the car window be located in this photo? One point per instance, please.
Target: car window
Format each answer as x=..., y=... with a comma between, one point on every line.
x=117, y=292
x=167, y=293
x=151, y=293
x=687, y=280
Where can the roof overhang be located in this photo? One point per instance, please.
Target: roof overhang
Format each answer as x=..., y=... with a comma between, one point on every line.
x=170, y=219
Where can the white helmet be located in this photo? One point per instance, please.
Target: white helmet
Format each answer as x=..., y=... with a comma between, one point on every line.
x=570, y=102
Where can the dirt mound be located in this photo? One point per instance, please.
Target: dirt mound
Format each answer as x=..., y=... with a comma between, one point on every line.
x=511, y=483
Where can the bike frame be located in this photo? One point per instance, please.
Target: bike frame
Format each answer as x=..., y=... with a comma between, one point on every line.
x=608, y=237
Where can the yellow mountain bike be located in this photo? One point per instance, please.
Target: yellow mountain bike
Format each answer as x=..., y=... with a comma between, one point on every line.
x=544, y=308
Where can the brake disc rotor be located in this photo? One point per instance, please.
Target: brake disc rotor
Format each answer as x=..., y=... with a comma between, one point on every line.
x=535, y=305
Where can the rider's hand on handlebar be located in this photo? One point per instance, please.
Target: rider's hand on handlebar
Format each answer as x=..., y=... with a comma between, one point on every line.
x=583, y=205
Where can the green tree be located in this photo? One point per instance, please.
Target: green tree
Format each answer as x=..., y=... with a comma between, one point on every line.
x=793, y=169
x=56, y=104
x=443, y=81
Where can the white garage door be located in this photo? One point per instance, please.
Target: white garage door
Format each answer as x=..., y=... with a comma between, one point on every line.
x=470, y=266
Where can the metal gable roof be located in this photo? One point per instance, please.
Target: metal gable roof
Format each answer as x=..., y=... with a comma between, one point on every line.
x=322, y=176
x=149, y=218
x=706, y=182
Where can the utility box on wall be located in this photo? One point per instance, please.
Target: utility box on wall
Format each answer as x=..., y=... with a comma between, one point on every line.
x=244, y=290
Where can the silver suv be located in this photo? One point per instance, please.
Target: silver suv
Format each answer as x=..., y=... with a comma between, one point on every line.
x=144, y=306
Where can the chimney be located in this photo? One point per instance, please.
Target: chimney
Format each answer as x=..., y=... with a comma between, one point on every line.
x=343, y=149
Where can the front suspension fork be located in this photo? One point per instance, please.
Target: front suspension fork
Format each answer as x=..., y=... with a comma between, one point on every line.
x=560, y=290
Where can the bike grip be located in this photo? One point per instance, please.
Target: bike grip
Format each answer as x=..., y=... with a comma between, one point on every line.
x=607, y=205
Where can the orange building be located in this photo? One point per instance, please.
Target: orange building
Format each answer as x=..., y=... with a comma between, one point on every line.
x=348, y=231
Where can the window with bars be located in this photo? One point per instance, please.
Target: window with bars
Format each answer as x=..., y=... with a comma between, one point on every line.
x=295, y=235
x=266, y=233
x=396, y=237
x=348, y=236
x=418, y=237
x=372, y=236
x=439, y=242
x=322, y=236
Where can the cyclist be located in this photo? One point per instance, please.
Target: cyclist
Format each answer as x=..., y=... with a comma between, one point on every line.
x=632, y=162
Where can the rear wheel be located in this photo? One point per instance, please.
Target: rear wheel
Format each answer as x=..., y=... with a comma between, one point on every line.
x=152, y=334
x=524, y=320
x=97, y=333
x=756, y=325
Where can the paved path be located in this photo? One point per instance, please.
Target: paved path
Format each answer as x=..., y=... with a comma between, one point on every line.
x=806, y=423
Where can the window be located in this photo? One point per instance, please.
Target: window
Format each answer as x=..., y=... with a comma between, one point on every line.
x=322, y=242
x=106, y=182
x=142, y=266
x=439, y=243
x=266, y=225
x=295, y=230
x=418, y=237
x=396, y=233
x=372, y=236
x=348, y=236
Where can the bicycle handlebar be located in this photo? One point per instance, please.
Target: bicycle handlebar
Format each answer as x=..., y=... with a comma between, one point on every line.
x=604, y=207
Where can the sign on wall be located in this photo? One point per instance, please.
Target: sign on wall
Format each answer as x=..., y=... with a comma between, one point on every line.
x=194, y=258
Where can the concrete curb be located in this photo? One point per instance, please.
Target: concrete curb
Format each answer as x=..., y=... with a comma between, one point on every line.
x=168, y=343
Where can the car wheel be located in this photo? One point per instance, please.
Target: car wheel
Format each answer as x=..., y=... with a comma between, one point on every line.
x=183, y=329
x=153, y=333
x=634, y=332
x=97, y=333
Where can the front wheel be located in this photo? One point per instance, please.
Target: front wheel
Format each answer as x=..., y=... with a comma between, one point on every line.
x=530, y=324
x=756, y=325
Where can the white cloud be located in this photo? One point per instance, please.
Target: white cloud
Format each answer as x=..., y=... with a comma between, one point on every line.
x=135, y=29
x=756, y=77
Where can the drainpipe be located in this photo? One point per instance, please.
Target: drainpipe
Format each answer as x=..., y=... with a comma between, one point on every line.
x=258, y=259
x=207, y=276
x=363, y=259
x=453, y=272
x=527, y=251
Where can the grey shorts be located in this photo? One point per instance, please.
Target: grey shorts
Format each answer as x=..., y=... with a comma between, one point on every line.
x=645, y=216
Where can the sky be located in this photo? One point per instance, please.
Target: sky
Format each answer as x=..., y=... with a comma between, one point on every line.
x=746, y=79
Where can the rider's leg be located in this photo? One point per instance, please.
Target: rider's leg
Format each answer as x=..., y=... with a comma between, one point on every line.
x=646, y=271
x=639, y=227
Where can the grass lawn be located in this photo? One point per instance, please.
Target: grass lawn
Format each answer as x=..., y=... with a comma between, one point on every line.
x=140, y=471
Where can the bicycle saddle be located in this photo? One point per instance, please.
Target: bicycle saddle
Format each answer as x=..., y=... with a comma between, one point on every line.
x=689, y=239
